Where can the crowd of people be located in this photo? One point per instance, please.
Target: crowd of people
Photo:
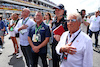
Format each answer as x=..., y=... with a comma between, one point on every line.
x=34, y=38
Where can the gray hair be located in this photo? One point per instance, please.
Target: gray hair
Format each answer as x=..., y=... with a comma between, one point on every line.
x=79, y=18
x=39, y=12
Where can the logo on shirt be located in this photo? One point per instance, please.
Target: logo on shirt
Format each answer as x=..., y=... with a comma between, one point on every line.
x=77, y=41
x=42, y=28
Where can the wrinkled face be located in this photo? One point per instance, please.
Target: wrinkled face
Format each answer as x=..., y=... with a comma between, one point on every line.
x=59, y=12
x=38, y=17
x=73, y=24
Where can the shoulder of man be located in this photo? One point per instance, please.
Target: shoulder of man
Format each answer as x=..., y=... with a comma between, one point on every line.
x=86, y=37
x=32, y=21
x=44, y=24
x=32, y=27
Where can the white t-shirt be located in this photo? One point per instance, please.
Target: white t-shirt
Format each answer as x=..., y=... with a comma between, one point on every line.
x=83, y=26
x=94, y=23
x=12, y=33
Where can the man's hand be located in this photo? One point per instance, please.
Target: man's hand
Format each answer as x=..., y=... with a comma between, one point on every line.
x=69, y=49
x=22, y=27
x=2, y=29
x=57, y=37
x=36, y=49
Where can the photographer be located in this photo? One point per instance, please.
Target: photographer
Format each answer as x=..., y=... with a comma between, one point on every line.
x=85, y=22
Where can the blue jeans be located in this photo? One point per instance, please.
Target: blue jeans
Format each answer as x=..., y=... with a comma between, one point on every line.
x=96, y=36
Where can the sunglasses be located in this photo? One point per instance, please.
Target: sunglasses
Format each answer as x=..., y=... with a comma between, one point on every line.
x=72, y=20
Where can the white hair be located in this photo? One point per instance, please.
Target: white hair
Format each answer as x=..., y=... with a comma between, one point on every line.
x=79, y=18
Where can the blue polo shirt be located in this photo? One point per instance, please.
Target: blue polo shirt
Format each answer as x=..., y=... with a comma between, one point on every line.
x=2, y=25
x=44, y=32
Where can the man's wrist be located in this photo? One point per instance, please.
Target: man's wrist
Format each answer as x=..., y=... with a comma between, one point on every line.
x=19, y=29
x=61, y=50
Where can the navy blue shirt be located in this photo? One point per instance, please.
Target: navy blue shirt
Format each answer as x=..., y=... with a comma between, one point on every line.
x=44, y=32
x=2, y=25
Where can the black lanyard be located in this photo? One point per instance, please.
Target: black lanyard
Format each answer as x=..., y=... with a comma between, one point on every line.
x=64, y=56
x=75, y=37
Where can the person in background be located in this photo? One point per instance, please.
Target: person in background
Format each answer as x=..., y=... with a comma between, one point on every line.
x=75, y=47
x=85, y=22
x=94, y=27
x=38, y=38
x=6, y=23
x=59, y=12
x=19, y=54
x=23, y=27
x=88, y=19
x=2, y=29
x=11, y=26
x=99, y=24
x=48, y=21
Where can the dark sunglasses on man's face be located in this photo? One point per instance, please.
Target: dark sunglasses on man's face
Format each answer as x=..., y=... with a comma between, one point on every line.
x=72, y=20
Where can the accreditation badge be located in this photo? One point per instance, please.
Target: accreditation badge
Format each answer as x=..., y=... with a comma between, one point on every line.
x=34, y=38
x=23, y=31
x=95, y=19
x=39, y=37
x=11, y=29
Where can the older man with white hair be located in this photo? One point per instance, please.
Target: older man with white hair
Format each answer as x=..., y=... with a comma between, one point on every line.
x=23, y=27
x=75, y=47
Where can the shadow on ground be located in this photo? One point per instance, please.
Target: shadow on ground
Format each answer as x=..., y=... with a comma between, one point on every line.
x=16, y=62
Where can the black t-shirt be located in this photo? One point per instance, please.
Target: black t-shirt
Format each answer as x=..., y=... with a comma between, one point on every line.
x=55, y=24
x=62, y=21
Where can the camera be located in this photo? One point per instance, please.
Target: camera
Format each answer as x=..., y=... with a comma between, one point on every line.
x=82, y=12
